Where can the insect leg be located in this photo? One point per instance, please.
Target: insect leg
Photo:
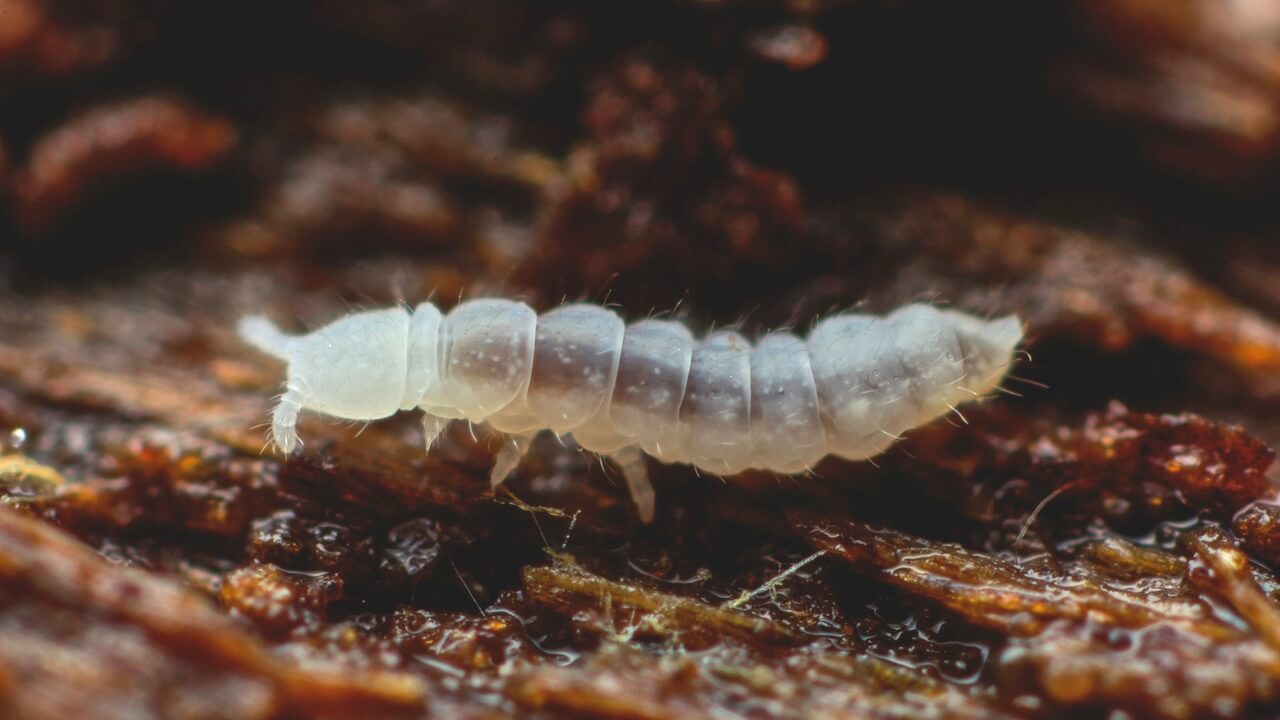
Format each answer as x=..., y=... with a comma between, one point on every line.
x=432, y=427
x=284, y=420
x=508, y=457
x=632, y=463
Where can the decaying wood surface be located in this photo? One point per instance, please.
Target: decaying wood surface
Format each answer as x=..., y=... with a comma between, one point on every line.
x=1104, y=537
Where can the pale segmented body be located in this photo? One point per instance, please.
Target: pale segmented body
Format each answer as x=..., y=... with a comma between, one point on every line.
x=850, y=389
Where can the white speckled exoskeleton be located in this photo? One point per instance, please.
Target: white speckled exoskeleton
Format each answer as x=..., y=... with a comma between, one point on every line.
x=849, y=389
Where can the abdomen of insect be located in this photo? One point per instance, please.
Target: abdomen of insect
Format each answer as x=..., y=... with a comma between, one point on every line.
x=720, y=403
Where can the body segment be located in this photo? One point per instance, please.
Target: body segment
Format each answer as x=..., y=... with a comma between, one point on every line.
x=850, y=389
x=786, y=419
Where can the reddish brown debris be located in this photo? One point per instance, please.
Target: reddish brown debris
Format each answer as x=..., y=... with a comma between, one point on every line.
x=329, y=197
x=796, y=46
x=499, y=45
x=34, y=39
x=81, y=633
x=607, y=693
x=1022, y=480
x=662, y=182
x=1215, y=469
x=618, y=681
x=1215, y=552
x=630, y=611
x=996, y=593
x=107, y=143
x=444, y=138
x=277, y=601
x=1071, y=628
x=1258, y=529
x=1200, y=80
x=1070, y=282
x=381, y=169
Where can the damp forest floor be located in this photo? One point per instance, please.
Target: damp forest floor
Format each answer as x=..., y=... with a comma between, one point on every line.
x=1103, y=536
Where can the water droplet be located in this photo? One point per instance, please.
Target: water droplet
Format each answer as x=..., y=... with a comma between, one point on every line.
x=17, y=438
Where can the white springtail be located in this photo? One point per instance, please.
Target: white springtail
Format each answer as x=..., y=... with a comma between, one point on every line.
x=850, y=389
